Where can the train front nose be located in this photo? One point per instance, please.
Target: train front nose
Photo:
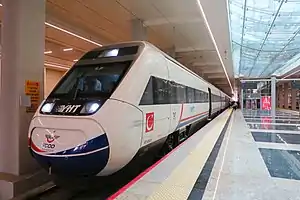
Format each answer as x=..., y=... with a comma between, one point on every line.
x=69, y=151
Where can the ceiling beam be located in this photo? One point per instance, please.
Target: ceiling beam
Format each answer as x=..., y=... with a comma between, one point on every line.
x=207, y=73
x=216, y=76
x=65, y=44
x=207, y=70
x=52, y=59
x=190, y=49
x=203, y=64
x=221, y=83
x=211, y=70
x=71, y=27
x=172, y=20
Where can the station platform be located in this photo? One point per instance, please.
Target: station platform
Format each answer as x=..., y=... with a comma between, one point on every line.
x=239, y=155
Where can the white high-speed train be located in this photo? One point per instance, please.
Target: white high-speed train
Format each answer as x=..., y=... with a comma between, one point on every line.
x=115, y=103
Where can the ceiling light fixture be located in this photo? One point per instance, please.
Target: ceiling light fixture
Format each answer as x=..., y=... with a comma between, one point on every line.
x=73, y=34
x=68, y=49
x=47, y=52
x=214, y=41
x=75, y=60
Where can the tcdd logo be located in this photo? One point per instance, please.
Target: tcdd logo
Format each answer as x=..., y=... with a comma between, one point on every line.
x=51, y=138
x=48, y=146
x=149, y=122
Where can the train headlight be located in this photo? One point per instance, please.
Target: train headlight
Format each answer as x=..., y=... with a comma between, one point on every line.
x=90, y=107
x=47, y=107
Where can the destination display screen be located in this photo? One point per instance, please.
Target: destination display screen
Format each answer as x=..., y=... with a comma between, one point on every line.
x=113, y=52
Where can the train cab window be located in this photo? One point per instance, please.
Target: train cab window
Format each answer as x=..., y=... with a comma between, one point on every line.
x=190, y=95
x=96, y=81
x=147, y=98
x=161, y=91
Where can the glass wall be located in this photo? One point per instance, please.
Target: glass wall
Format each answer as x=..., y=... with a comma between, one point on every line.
x=265, y=36
x=256, y=95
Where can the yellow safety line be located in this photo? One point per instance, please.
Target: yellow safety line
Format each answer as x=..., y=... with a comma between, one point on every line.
x=180, y=183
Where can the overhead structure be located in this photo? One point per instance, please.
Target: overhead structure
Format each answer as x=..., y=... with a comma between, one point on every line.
x=265, y=37
x=187, y=30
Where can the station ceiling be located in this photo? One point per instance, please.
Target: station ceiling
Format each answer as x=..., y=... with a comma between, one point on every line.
x=201, y=40
x=265, y=37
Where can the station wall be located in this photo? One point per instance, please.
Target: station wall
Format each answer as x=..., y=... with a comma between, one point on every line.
x=52, y=76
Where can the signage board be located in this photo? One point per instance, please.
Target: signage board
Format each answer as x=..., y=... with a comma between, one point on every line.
x=266, y=102
x=249, y=85
x=32, y=89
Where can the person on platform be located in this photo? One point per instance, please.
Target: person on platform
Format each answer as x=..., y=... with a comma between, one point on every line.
x=234, y=106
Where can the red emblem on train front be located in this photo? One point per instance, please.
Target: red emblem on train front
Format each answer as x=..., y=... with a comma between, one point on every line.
x=149, y=122
x=51, y=138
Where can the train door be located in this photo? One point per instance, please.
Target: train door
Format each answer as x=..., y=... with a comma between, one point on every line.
x=209, y=103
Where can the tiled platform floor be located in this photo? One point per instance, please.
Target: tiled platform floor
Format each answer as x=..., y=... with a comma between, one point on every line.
x=259, y=159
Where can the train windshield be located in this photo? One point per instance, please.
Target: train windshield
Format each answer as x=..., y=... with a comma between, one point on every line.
x=90, y=81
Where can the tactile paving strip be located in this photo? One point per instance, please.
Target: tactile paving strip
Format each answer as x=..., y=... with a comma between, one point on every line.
x=180, y=183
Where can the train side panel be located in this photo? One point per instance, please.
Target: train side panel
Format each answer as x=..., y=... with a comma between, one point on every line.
x=187, y=113
x=123, y=124
x=155, y=118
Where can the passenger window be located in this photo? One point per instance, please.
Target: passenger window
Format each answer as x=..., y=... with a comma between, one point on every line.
x=161, y=91
x=203, y=97
x=181, y=94
x=190, y=95
x=173, y=92
x=198, y=96
x=147, y=98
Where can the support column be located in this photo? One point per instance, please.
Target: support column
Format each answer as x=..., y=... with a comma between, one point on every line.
x=294, y=98
x=286, y=93
x=242, y=99
x=273, y=96
x=281, y=96
x=23, y=42
x=138, y=30
x=260, y=101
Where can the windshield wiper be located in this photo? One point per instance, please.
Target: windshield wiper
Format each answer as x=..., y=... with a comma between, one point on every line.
x=77, y=88
x=77, y=85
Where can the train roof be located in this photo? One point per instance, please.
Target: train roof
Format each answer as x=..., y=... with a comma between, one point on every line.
x=149, y=45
